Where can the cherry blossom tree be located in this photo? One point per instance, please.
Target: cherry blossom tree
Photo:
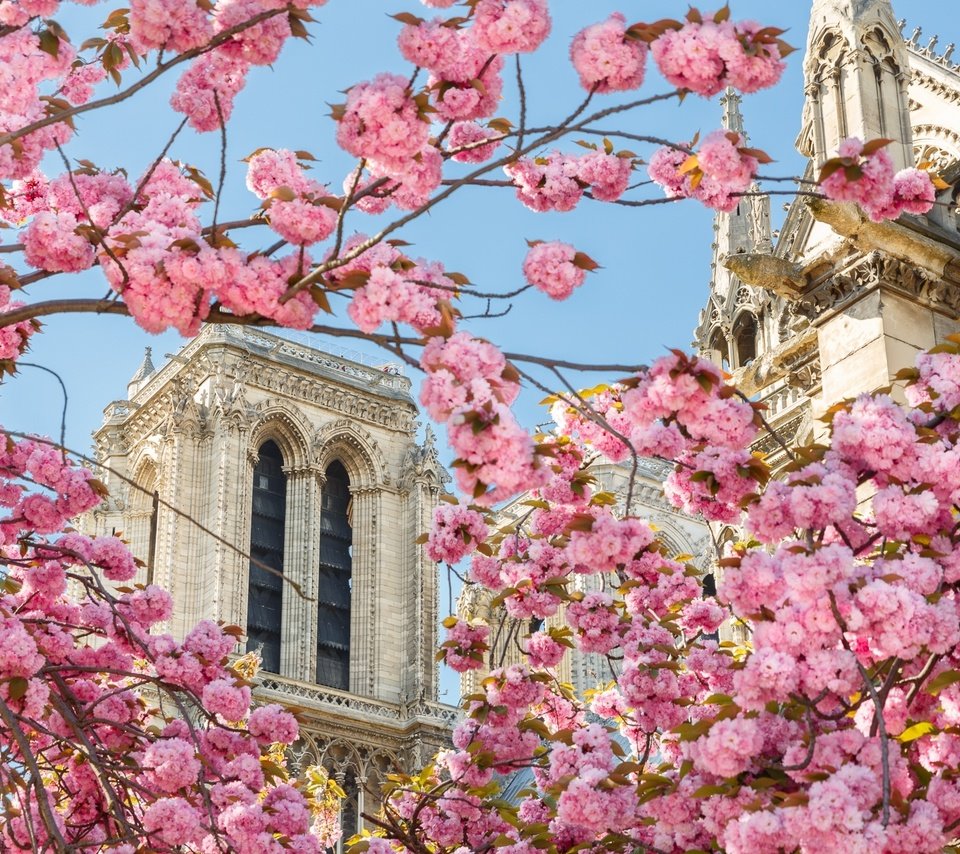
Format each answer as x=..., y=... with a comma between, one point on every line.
x=835, y=729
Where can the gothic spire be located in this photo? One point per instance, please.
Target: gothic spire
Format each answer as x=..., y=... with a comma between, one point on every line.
x=746, y=229
x=732, y=117
x=144, y=372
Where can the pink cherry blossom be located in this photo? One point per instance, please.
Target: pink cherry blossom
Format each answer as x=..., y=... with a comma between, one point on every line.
x=606, y=58
x=552, y=268
x=381, y=121
x=511, y=26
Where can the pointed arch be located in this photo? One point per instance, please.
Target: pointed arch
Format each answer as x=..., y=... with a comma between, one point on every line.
x=719, y=349
x=746, y=338
x=280, y=422
x=358, y=451
x=143, y=512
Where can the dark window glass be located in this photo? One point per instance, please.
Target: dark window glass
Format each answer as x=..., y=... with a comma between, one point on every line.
x=709, y=584
x=333, y=596
x=265, y=592
x=746, y=332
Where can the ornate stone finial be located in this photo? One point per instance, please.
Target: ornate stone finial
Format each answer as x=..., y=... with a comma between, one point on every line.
x=848, y=100
x=430, y=442
x=144, y=372
x=732, y=117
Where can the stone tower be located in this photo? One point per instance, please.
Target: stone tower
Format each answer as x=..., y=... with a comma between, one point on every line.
x=844, y=303
x=280, y=488
x=857, y=76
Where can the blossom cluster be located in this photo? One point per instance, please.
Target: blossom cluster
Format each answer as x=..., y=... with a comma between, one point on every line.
x=833, y=729
x=85, y=670
x=864, y=173
x=299, y=208
x=557, y=182
x=717, y=175
x=389, y=286
x=455, y=532
x=606, y=58
x=705, y=54
x=556, y=268
x=470, y=386
x=148, y=240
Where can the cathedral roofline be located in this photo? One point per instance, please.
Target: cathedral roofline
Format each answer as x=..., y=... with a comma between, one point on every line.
x=376, y=380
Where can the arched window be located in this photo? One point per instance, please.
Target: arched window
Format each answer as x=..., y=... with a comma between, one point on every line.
x=144, y=507
x=745, y=337
x=265, y=590
x=719, y=352
x=333, y=590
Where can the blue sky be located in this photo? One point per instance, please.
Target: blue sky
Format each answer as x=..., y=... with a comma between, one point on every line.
x=656, y=262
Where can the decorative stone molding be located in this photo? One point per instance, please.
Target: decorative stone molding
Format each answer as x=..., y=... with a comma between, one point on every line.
x=873, y=270
x=788, y=433
x=278, y=420
x=356, y=448
x=320, y=698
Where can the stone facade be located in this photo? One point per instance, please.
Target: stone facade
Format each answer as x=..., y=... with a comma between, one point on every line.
x=180, y=456
x=837, y=304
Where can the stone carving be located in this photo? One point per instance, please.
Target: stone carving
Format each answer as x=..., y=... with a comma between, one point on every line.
x=422, y=462
x=364, y=451
x=870, y=271
x=787, y=432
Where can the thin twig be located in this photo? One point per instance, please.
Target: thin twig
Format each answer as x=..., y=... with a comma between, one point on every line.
x=63, y=412
x=223, y=162
x=522, y=92
x=161, y=69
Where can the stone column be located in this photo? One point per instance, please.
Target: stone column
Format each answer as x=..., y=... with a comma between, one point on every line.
x=363, y=607
x=232, y=522
x=299, y=561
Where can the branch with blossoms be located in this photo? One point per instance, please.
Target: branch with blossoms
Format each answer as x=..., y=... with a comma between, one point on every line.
x=835, y=725
x=835, y=729
x=112, y=733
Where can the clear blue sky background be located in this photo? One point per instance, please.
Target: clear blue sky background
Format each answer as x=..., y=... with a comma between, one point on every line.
x=656, y=261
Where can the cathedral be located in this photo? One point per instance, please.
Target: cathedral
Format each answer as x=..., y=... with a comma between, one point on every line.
x=280, y=488
x=833, y=304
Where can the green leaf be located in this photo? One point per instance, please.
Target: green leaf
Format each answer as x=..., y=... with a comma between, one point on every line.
x=17, y=687
x=916, y=731
x=941, y=681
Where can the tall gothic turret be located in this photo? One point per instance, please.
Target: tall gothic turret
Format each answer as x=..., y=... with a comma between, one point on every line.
x=730, y=330
x=144, y=372
x=857, y=73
